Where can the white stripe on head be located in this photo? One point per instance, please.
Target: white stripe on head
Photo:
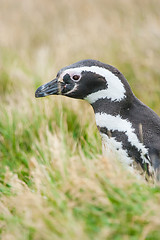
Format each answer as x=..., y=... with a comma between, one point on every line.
x=115, y=89
x=122, y=125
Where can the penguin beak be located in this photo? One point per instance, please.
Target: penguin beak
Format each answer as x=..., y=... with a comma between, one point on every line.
x=52, y=88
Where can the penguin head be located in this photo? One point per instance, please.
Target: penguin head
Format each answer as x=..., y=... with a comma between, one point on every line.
x=87, y=79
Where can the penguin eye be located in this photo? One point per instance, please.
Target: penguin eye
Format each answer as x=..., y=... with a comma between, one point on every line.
x=76, y=77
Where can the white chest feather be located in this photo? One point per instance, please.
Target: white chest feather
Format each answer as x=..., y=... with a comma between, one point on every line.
x=113, y=123
x=113, y=150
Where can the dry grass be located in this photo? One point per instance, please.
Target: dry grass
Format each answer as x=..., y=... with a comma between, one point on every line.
x=54, y=184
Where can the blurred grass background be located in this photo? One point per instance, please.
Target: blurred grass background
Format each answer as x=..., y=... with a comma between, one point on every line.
x=54, y=184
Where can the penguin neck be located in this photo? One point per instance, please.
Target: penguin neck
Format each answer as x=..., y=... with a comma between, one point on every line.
x=114, y=108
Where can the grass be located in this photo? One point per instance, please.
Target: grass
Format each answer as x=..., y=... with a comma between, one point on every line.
x=54, y=182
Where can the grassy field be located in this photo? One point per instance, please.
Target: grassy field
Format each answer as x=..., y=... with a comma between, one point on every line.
x=54, y=183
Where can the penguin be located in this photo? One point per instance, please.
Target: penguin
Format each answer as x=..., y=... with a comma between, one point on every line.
x=128, y=128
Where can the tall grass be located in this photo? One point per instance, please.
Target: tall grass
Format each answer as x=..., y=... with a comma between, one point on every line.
x=54, y=183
